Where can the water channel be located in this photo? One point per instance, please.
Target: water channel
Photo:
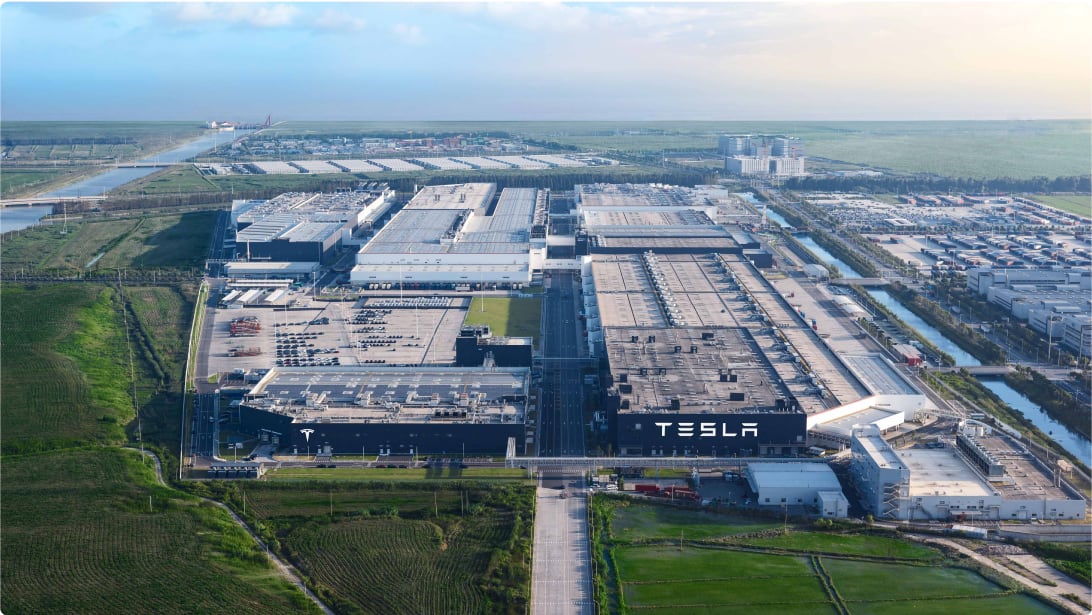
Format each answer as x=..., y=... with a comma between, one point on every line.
x=1071, y=441
x=18, y=218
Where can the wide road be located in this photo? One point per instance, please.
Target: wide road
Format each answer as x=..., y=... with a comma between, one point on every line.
x=561, y=428
x=203, y=428
x=562, y=567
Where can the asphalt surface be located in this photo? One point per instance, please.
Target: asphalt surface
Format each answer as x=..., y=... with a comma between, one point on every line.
x=562, y=566
x=561, y=430
x=203, y=428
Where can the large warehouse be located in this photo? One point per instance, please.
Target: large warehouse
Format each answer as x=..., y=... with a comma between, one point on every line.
x=304, y=227
x=633, y=218
x=810, y=484
x=456, y=236
x=389, y=411
x=980, y=475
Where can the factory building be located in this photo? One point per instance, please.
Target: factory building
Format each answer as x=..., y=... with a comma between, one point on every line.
x=798, y=484
x=389, y=411
x=634, y=218
x=693, y=391
x=304, y=227
x=1053, y=302
x=981, y=475
x=457, y=236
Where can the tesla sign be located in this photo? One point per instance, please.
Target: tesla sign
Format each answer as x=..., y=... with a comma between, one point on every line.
x=707, y=430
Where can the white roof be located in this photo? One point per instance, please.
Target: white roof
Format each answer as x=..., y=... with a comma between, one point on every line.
x=803, y=475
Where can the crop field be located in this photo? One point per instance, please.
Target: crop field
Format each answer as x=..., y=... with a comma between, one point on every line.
x=506, y=316
x=1073, y=203
x=393, y=547
x=89, y=531
x=735, y=565
x=65, y=376
x=171, y=240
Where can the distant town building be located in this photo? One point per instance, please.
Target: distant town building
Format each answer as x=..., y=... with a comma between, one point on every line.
x=762, y=155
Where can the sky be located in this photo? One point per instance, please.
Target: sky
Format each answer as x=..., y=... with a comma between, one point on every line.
x=717, y=61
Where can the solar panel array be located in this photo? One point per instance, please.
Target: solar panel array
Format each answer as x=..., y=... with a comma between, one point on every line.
x=396, y=164
x=357, y=166
x=316, y=166
x=271, y=167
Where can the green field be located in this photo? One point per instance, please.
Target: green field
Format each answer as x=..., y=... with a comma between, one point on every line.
x=388, y=547
x=80, y=536
x=1073, y=203
x=712, y=565
x=150, y=241
x=31, y=167
x=66, y=367
x=845, y=544
x=507, y=316
x=1018, y=149
x=13, y=182
x=642, y=522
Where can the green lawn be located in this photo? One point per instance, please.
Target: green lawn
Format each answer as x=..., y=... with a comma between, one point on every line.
x=860, y=580
x=15, y=181
x=65, y=376
x=1073, y=203
x=733, y=575
x=155, y=241
x=762, y=593
x=646, y=522
x=991, y=605
x=507, y=316
x=89, y=531
x=637, y=564
x=845, y=544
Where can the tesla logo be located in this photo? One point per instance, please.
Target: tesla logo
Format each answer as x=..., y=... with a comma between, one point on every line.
x=709, y=430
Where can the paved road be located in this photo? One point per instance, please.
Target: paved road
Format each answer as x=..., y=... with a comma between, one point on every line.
x=561, y=430
x=561, y=584
x=203, y=427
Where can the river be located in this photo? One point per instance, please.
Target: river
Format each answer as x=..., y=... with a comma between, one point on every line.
x=19, y=218
x=14, y=219
x=1069, y=440
x=104, y=182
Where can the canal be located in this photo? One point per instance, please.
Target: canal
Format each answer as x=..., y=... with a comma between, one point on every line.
x=1071, y=441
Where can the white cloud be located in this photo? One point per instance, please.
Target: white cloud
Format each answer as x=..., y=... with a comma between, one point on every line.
x=339, y=21
x=255, y=15
x=408, y=34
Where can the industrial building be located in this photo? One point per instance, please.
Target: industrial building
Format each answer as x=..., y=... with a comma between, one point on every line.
x=305, y=227
x=633, y=218
x=389, y=410
x=981, y=475
x=798, y=484
x=457, y=236
x=1056, y=303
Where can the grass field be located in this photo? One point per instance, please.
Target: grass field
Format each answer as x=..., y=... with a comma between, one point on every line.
x=387, y=547
x=507, y=316
x=159, y=241
x=79, y=537
x=1073, y=203
x=644, y=522
x=16, y=181
x=65, y=377
x=1019, y=149
x=715, y=571
x=845, y=544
